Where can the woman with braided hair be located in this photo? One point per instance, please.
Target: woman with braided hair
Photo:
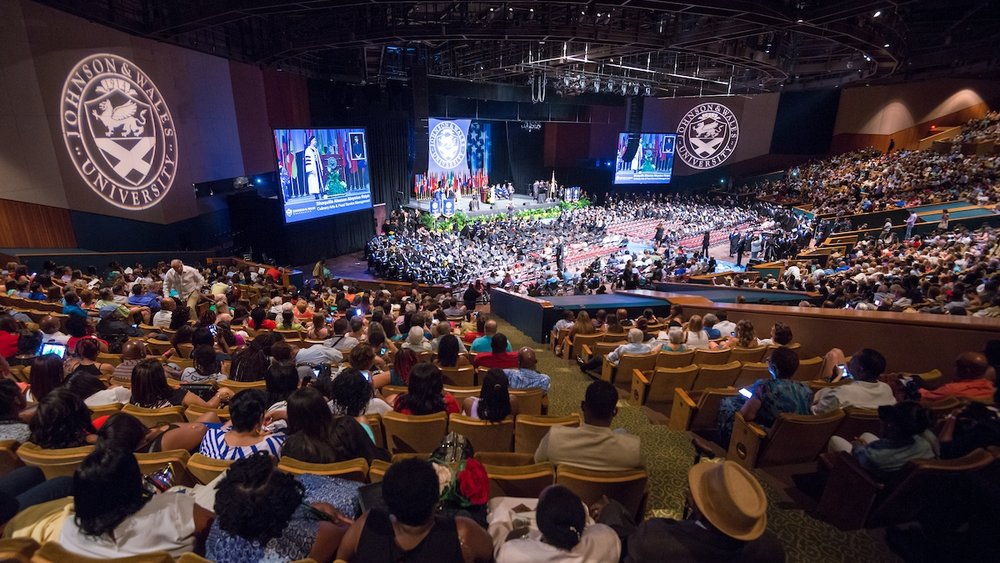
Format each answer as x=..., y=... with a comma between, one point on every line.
x=494, y=402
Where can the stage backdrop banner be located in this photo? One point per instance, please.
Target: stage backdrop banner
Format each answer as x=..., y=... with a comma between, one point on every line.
x=448, y=147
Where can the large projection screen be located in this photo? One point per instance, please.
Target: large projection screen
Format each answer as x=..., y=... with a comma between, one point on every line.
x=322, y=172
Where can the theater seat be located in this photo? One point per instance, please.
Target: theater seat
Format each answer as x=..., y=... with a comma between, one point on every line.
x=193, y=412
x=104, y=410
x=794, y=438
x=698, y=411
x=754, y=354
x=854, y=499
x=716, y=376
x=412, y=433
x=750, y=372
x=656, y=388
x=156, y=417
x=627, y=363
x=459, y=377
x=462, y=393
x=205, y=468
x=809, y=369
x=352, y=469
x=571, y=350
x=857, y=421
x=483, y=435
x=238, y=386
x=711, y=357
x=53, y=462
x=533, y=401
x=520, y=481
x=627, y=487
x=674, y=359
x=375, y=423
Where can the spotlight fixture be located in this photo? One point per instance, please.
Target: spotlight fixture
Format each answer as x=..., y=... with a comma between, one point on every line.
x=877, y=13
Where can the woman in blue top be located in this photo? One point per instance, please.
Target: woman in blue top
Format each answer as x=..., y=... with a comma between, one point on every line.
x=769, y=397
x=261, y=516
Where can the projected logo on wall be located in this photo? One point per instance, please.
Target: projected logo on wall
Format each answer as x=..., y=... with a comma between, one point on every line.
x=447, y=145
x=707, y=136
x=119, y=131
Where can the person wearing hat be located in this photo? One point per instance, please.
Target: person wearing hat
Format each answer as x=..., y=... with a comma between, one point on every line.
x=727, y=521
x=906, y=436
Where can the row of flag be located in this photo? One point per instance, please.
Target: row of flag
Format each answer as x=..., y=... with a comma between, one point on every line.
x=426, y=185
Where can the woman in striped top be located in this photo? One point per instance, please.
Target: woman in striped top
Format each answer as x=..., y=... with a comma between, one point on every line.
x=243, y=435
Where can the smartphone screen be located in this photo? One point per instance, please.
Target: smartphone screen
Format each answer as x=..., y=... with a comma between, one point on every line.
x=746, y=393
x=316, y=372
x=368, y=375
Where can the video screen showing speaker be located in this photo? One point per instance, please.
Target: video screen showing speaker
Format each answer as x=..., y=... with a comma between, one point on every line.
x=322, y=172
x=645, y=158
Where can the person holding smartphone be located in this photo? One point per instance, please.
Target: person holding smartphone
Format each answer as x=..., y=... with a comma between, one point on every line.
x=768, y=397
x=864, y=388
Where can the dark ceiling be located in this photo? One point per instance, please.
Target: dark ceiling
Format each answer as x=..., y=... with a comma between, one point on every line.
x=631, y=46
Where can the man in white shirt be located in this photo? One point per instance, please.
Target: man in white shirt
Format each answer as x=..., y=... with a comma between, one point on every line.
x=186, y=281
x=593, y=445
x=724, y=326
x=866, y=391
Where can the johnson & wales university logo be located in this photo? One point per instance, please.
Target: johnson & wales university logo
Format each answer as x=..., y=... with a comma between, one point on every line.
x=707, y=135
x=447, y=144
x=119, y=131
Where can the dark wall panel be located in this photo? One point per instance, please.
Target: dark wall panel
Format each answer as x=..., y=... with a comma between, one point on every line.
x=804, y=123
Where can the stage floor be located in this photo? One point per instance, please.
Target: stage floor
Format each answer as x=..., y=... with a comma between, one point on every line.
x=519, y=203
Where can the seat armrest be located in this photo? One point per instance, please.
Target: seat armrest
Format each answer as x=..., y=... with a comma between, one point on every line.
x=587, y=353
x=642, y=377
x=849, y=494
x=746, y=442
x=640, y=386
x=608, y=370
x=682, y=410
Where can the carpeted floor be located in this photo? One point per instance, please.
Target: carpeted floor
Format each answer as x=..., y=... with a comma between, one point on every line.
x=669, y=454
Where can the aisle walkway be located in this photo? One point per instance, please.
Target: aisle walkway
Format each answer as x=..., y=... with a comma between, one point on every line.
x=669, y=454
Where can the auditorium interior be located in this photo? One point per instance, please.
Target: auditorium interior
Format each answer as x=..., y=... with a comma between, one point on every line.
x=571, y=281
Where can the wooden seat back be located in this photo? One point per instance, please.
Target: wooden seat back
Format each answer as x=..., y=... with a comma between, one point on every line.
x=156, y=417
x=754, y=354
x=661, y=384
x=459, y=377
x=711, y=357
x=520, y=481
x=533, y=401
x=750, y=372
x=809, y=369
x=483, y=435
x=626, y=487
x=716, y=375
x=414, y=433
x=674, y=359
x=352, y=469
x=61, y=462
x=205, y=468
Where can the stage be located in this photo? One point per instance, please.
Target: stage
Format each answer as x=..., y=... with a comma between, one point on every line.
x=519, y=203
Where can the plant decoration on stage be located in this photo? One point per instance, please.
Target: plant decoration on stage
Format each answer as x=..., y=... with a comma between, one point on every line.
x=460, y=220
x=334, y=185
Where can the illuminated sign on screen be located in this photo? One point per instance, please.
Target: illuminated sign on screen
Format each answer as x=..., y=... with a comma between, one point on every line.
x=707, y=135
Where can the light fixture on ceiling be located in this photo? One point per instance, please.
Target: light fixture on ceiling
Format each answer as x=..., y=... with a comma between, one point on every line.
x=877, y=13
